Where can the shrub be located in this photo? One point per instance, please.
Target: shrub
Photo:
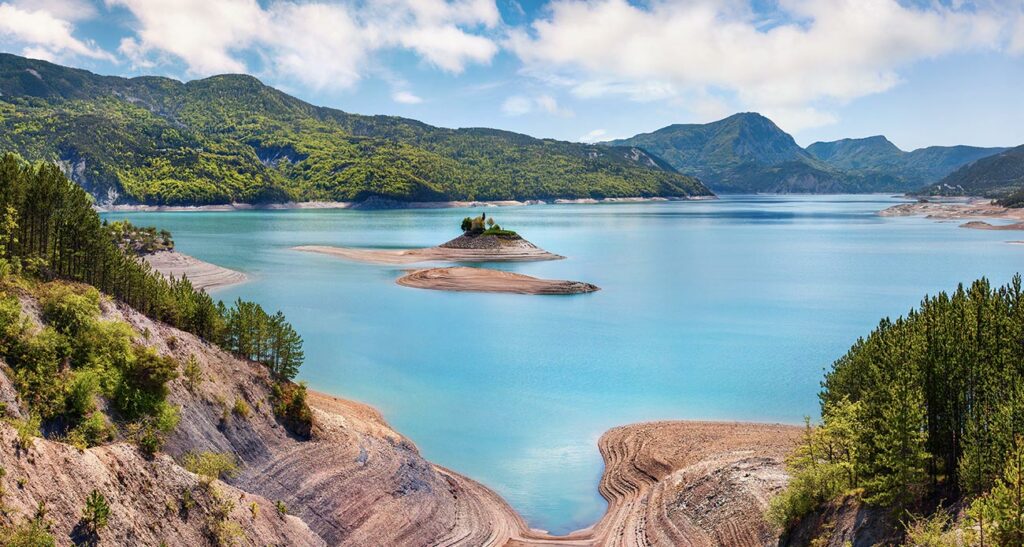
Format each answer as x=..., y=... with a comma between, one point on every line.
x=27, y=430
x=210, y=465
x=282, y=509
x=240, y=409
x=96, y=511
x=193, y=373
x=291, y=409
x=144, y=383
x=69, y=309
x=30, y=533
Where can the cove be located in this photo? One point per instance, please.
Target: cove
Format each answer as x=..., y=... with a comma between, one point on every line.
x=727, y=309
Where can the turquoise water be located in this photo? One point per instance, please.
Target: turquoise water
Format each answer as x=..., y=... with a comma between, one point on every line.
x=725, y=309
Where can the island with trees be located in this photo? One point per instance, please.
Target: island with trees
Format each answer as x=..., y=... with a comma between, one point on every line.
x=482, y=240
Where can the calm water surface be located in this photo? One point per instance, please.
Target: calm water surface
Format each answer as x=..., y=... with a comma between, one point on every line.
x=725, y=309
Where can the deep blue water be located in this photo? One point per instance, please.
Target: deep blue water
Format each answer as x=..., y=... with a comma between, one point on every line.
x=727, y=309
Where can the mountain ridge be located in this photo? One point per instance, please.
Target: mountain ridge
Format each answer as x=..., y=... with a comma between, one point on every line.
x=747, y=152
x=230, y=138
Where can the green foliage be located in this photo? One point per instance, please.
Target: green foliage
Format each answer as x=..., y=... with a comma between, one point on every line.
x=143, y=384
x=193, y=373
x=30, y=533
x=141, y=241
x=231, y=139
x=938, y=530
x=282, y=509
x=939, y=395
x=823, y=466
x=69, y=309
x=999, y=514
x=269, y=339
x=27, y=430
x=210, y=465
x=291, y=408
x=96, y=512
x=240, y=409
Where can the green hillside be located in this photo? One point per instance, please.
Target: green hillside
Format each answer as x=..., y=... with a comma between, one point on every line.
x=999, y=176
x=748, y=153
x=232, y=139
x=744, y=153
x=876, y=157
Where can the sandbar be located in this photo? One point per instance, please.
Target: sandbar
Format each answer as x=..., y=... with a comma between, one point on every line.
x=486, y=280
x=202, y=275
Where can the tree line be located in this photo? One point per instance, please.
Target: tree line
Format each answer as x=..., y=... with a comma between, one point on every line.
x=49, y=229
x=927, y=406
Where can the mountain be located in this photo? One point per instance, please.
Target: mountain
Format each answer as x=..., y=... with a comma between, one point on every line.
x=747, y=152
x=231, y=138
x=743, y=153
x=878, y=158
x=999, y=176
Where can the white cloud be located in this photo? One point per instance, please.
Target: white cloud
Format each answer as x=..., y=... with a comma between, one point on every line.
x=519, y=105
x=68, y=10
x=44, y=35
x=807, y=53
x=596, y=135
x=406, y=97
x=319, y=44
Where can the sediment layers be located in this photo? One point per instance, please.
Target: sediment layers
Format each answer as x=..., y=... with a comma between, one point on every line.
x=359, y=482
x=202, y=275
x=485, y=280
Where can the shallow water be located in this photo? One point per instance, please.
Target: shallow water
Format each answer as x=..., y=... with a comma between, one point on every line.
x=726, y=309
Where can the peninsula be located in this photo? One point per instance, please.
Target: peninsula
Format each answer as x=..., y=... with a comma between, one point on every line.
x=156, y=248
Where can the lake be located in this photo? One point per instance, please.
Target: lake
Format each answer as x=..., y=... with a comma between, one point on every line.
x=722, y=310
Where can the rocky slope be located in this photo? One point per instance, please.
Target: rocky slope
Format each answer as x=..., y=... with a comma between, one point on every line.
x=356, y=481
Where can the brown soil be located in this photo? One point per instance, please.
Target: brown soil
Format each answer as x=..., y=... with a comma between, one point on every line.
x=359, y=482
x=484, y=280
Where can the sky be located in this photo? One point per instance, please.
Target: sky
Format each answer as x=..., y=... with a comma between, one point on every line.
x=921, y=72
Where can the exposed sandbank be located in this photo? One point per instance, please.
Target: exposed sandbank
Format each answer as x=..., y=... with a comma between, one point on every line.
x=972, y=208
x=667, y=483
x=381, y=204
x=982, y=225
x=485, y=280
x=202, y=275
x=433, y=254
x=945, y=210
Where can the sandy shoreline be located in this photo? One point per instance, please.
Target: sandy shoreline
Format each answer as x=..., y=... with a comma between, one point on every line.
x=667, y=483
x=431, y=254
x=202, y=275
x=485, y=280
x=380, y=204
x=973, y=208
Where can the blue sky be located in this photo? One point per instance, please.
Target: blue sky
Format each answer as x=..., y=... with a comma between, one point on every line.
x=921, y=72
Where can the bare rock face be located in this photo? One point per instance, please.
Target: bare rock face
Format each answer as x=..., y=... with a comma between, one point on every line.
x=147, y=498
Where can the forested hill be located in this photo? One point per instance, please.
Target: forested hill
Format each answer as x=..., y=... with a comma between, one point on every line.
x=880, y=158
x=747, y=152
x=743, y=153
x=232, y=139
x=999, y=176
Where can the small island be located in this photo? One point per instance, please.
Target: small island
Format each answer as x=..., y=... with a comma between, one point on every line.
x=482, y=240
x=486, y=280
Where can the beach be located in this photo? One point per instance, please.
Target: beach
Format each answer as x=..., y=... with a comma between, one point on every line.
x=485, y=280
x=202, y=275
